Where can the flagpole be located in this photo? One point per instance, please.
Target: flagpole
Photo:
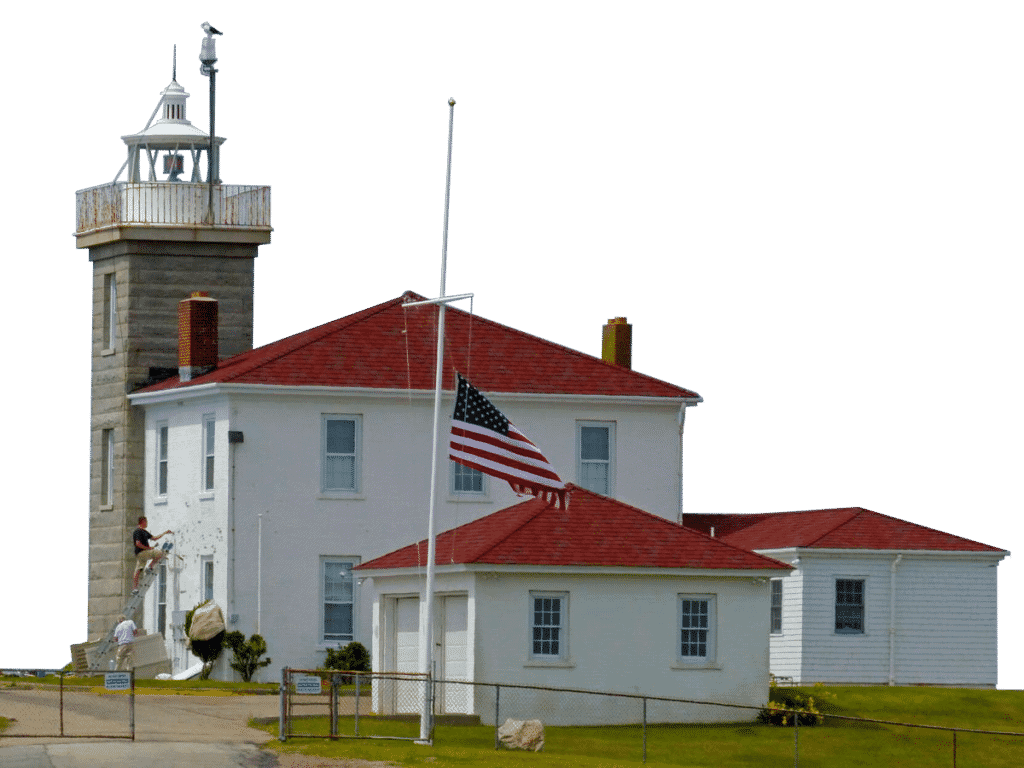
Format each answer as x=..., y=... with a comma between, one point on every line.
x=427, y=635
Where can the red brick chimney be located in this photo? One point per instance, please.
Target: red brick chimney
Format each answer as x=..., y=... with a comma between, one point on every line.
x=197, y=335
x=617, y=342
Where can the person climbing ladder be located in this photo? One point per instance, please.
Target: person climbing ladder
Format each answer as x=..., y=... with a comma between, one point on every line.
x=144, y=553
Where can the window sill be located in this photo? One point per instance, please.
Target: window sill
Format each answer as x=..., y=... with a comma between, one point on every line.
x=106, y=352
x=341, y=496
x=467, y=498
x=106, y=507
x=206, y=495
x=554, y=663
x=695, y=666
x=160, y=501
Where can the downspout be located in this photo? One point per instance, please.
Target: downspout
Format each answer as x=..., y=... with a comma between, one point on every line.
x=231, y=617
x=682, y=421
x=892, y=618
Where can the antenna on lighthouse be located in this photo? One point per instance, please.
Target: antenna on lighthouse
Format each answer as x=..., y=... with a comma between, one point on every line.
x=208, y=57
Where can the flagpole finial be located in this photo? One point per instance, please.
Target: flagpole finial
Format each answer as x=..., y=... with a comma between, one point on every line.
x=451, y=101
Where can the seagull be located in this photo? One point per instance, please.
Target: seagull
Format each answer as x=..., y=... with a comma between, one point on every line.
x=210, y=30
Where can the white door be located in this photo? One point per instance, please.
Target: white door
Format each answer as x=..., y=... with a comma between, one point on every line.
x=407, y=694
x=453, y=653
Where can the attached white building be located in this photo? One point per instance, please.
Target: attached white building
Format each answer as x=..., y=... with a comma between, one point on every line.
x=282, y=468
x=600, y=596
x=872, y=599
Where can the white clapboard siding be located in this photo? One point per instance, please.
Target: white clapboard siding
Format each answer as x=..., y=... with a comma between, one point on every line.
x=944, y=625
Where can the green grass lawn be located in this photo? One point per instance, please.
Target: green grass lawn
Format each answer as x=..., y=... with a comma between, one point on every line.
x=837, y=743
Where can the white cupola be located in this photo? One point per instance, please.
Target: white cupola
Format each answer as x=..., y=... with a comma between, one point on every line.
x=171, y=136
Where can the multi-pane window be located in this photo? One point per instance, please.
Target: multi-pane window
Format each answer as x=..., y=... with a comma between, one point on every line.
x=340, y=453
x=207, y=576
x=596, y=451
x=209, y=432
x=109, y=311
x=339, y=598
x=107, y=468
x=548, y=625
x=161, y=599
x=697, y=628
x=466, y=480
x=776, y=591
x=849, y=606
x=161, y=460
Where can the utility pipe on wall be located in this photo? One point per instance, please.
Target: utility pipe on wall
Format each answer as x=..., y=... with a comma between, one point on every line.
x=892, y=618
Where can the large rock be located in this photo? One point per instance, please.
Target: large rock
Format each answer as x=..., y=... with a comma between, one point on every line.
x=522, y=734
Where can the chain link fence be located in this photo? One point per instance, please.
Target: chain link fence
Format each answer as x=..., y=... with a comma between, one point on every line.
x=390, y=705
x=61, y=711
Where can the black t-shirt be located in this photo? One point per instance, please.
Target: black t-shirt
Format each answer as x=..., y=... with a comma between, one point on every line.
x=141, y=536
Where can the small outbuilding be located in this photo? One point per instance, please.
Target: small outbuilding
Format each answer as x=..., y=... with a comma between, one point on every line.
x=872, y=599
x=601, y=596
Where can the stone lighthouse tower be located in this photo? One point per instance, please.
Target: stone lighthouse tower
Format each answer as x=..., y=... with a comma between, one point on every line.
x=168, y=229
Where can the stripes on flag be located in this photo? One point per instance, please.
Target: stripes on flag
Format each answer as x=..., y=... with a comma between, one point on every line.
x=483, y=438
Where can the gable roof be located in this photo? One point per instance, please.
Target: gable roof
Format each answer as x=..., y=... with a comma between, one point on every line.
x=389, y=347
x=847, y=528
x=594, y=531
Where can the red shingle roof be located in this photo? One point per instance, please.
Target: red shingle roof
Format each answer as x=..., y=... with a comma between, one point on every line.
x=594, y=531
x=849, y=528
x=387, y=346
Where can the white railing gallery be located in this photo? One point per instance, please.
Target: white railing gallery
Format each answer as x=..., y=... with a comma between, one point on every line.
x=171, y=204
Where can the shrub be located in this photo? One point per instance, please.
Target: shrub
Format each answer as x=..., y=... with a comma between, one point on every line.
x=246, y=654
x=780, y=699
x=206, y=650
x=352, y=658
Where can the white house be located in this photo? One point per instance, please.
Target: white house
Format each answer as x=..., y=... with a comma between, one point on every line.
x=872, y=599
x=599, y=596
x=282, y=468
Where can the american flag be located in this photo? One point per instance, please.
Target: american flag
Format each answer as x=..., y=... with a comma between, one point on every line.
x=483, y=438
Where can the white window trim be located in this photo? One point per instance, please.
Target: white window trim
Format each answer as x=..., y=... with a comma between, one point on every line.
x=109, y=313
x=162, y=451
x=207, y=578
x=711, y=659
x=771, y=605
x=107, y=469
x=562, y=658
x=207, y=482
x=157, y=602
x=863, y=607
x=457, y=495
x=610, y=426
x=352, y=561
x=358, y=463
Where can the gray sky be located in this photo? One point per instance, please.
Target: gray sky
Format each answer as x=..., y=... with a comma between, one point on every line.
x=809, y=211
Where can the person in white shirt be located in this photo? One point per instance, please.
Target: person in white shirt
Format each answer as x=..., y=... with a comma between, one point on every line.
x=125, y=632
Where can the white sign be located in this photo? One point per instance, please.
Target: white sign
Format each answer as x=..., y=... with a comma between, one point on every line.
x=117, y=681
x=307, y=684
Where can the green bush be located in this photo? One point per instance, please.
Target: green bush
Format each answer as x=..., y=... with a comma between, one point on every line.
x=246, y=654
x=206, y=650
x=780, y=699
x=352, y=658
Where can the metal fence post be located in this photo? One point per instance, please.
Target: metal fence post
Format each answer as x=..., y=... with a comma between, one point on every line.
x=358, y=677
x=645, y=729
x=334, y=704
x=283, y=717
x=954, y=749
x=131, y=704
x=497, y=711
x=62, y=703
x=796, y=740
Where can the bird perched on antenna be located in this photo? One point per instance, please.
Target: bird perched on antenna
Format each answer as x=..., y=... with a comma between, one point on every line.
x=210, y=30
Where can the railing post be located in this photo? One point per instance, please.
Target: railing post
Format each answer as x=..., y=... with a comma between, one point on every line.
x=497, y=711
x=645, y=729
x=283, y=717
x=62, y=703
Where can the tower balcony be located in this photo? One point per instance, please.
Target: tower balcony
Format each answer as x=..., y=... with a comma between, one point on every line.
x=172, y=211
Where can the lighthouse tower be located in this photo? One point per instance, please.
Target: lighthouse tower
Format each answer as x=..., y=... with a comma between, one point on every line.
x=164, y=230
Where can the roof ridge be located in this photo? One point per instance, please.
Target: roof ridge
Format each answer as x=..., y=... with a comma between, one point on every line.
x=571, y=351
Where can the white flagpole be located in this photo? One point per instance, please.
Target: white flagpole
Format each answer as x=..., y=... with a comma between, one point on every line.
x=427, y=624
